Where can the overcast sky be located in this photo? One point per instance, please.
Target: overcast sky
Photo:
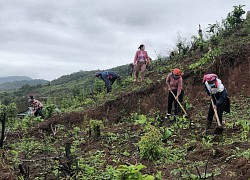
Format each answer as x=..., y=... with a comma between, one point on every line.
x=50, y=38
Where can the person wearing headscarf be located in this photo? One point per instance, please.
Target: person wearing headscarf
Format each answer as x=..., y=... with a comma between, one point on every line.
x=219, y=95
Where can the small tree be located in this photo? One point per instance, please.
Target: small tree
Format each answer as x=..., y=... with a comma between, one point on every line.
x=234, y=18
x=95, y=128
x=50, y=109
x=98, y=86
x=150, y=145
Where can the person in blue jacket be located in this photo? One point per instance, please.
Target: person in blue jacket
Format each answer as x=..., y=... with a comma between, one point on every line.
x=108, y=77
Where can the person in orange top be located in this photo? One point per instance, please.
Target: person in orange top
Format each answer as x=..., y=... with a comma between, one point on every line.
x=175, y=83
x=140, y=60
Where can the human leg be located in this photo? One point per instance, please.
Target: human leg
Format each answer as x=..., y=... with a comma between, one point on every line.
x=180, y=98
x=170, y=102
x=137, y=70
x=210, y=116
x=109, y=86
x=220, y=109
x=39, y=113
x=143, y=68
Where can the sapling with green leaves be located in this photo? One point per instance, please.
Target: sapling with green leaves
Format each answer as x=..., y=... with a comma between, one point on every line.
x=150, y=145
x=132, y=172
x=95, y=128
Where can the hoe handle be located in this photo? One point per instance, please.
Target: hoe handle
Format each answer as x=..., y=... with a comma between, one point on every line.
x=215, y=112
x=177, y=100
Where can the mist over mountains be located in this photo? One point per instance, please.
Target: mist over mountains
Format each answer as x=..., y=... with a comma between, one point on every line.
x=16, y=82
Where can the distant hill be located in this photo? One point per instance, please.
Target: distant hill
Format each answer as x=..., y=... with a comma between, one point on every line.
x=121, y=70
x=18, y=84
x=14, y=78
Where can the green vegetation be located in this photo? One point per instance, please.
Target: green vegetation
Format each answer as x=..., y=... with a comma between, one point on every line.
x=131, y=139
x=150, y=145
x=208, y=59
x=132, y=172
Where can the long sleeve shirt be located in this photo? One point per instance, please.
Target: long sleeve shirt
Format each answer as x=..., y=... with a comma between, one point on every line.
x=141, y=54
x=219, y=93
x=106, y=75
x=175, y=84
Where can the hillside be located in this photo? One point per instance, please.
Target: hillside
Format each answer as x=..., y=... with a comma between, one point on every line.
x=14, y=78
x=17, y=84
x=87, y=75
x=124, y=134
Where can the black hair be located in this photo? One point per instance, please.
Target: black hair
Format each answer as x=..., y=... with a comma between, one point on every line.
x=31, y=97
x=140, y=46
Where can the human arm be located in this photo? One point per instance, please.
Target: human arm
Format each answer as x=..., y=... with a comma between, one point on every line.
x=168, y=82
x=180, y=87
x=147, y=57
x=206, y=89
x=221, y=96
x=136, y=57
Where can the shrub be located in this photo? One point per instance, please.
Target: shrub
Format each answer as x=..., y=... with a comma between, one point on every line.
x=132, y=172
x=95, y=127
x=208, y=58
x=50, y=109
x=150, y=145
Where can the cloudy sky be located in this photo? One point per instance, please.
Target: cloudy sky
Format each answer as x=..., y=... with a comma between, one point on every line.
x=50, y=38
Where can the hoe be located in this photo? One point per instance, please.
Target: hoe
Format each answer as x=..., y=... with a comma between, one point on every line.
x=218, y=129
x=186, y=115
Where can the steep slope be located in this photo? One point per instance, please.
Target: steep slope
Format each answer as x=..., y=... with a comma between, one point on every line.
x=187, y=153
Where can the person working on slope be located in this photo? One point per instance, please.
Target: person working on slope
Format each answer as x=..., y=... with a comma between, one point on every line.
x=37, y=106
x=108, y=77
x=175, y=84
x=140, y=60
x=218, y=93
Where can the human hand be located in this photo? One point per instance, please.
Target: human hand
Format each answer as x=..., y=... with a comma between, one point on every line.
x=176, y=97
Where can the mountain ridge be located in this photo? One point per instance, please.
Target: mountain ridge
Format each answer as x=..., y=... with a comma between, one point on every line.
x=6, y=79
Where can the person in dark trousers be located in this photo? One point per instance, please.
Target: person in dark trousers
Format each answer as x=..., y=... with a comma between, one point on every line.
x=108, y=77
x=175, y=83
x=37, y=106
x=218, y=92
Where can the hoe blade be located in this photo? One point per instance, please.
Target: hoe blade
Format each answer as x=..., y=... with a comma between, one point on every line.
x=218, y=130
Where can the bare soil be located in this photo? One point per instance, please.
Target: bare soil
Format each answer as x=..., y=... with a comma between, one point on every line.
x=154, y=98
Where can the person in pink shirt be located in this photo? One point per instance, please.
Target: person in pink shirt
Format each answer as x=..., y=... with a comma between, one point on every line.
x=175, y=83
x=140, y=60
x=37, y=106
